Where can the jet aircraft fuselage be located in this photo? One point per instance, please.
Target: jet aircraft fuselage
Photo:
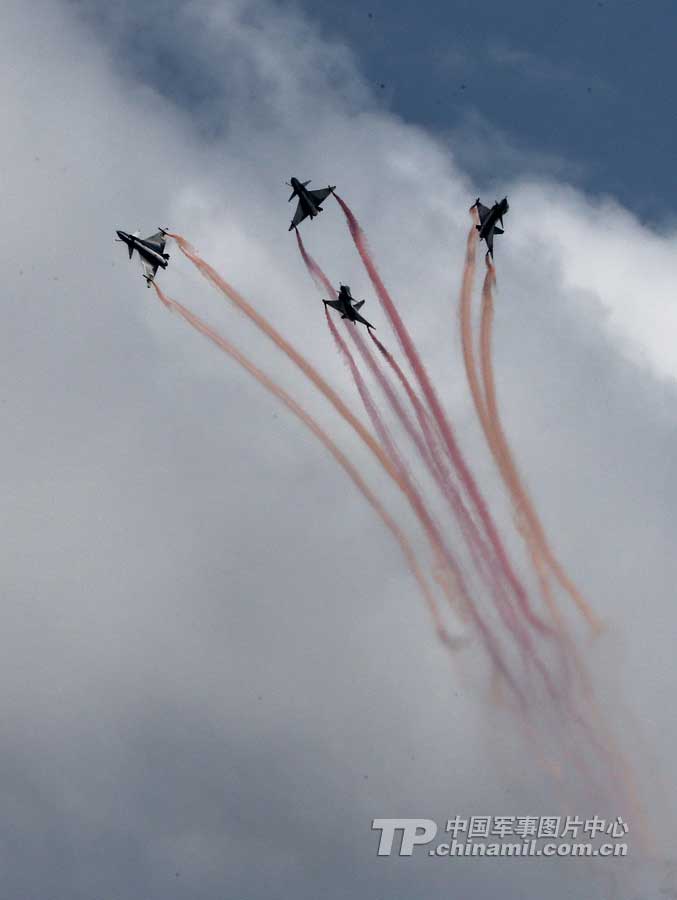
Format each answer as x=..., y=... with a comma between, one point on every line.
x=489, y=221
x=347, y=306
x=150, y=249
x=309, y=204
x=143, y=248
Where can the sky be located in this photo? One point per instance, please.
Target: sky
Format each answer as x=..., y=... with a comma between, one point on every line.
x=216, y=668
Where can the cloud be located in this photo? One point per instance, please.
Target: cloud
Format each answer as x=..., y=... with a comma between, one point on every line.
x=479, y=146
x=542, y=70
x=208, y=642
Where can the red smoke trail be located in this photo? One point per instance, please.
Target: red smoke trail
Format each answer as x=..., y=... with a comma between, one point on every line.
x=436, y=464
x=321, y=281
x=429, y=453
x=466, y=330
x=315, y=428
x=478, y=549
x=322, y=436
x=594, y=731
x=311, y=373
x=433, y=462
x=425, y=425
x=391, y=395
x=438, y=413
x=294, y=355
x=507, y=464
x=471, y=369
x=387, y=441
x=316, y=272
x=444, y=555
x=422, y=415
x=308, y=370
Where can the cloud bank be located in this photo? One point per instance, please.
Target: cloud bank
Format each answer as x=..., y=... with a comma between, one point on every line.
x=216, y=669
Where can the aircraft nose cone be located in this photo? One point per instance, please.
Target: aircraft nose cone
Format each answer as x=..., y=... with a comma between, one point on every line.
x=121, y=234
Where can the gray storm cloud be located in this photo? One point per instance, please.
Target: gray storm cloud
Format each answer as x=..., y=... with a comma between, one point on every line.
x=216, y=669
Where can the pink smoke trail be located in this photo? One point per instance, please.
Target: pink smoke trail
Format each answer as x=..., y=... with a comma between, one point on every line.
x=323, y=283
x=471, y=369
x=478, y=549
x=521, y=498
x=466, y=329
x=440, y=473
x=316, y=273
x=311, y=373
x=296, y=409
x=594, y=729
x=429, y=453
x=442, y=552
x=422, y=414
x=308, y=370
x=431, y=440
x=314, y=427
x=289, y=350
x=440, y=418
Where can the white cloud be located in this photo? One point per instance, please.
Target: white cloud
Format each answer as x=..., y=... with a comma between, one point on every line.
x=176, y=548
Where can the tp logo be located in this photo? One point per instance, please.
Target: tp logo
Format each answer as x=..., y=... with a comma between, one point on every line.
x=414, y=832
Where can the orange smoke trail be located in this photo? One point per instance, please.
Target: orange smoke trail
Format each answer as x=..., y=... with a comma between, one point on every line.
x=477, y=546
x=594, y=731
x=316, y=273
x=322, y=282
x=422, y=414
x=465, y=311
x=294, y=355
x=472, y=537
x=456, y=457
x=478, y=549
x=524, y=507
x=309, y=371
x=434, y=461
x=314, y=377
x=324, y=438
x=431, y=441
x=442, y=552
x=471, y=369
x=429, y=451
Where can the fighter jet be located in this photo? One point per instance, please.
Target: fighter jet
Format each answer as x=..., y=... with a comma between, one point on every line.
x=488, y=219
x=151, y=251
x=309, y=201
x=345, y=304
